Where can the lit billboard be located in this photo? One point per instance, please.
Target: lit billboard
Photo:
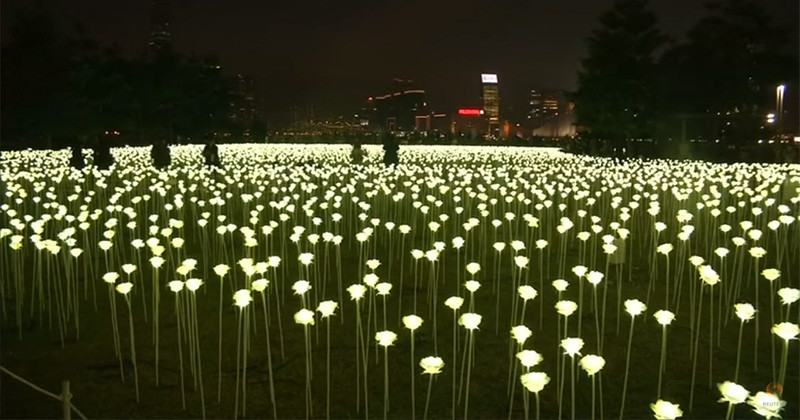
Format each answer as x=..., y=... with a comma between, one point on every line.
x=470, y=111
x=488, y=78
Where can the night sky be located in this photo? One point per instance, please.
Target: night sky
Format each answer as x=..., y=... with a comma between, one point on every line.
x=333, y=54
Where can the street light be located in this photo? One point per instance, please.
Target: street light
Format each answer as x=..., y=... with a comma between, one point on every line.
x=779, y=91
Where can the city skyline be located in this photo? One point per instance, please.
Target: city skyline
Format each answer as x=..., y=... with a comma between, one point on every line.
x=333, y=56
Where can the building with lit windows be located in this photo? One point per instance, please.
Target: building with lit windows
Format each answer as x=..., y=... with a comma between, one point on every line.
x=398, y=110
x=160, y=35
x=490, y=98
x=543, y=107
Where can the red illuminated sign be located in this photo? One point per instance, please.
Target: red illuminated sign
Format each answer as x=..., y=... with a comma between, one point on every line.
x=470, y=111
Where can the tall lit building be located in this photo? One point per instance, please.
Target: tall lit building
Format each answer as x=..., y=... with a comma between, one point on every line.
x=243, y=105
x=398, y=110
x=544, y=106
x=160, y=35
x=490, y=98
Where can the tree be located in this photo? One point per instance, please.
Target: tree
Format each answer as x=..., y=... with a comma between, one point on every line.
x=730, y=66
x=615, y=96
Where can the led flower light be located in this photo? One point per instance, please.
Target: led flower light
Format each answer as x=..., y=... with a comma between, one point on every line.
x=634, y=307
x=373, y=264
x=356, y=291
x=529, y=358
x=431, y=365
x=110, y=277
x=766, y=404
x=412, y=322
x=242, y=298
x=383, y=288
x=789, y=296
x=665, y=410
x=300, y=287
x=454, y=302
x=470, y=321
x=527, y=292
x=473, y=268
x=304, y=317
x=535, y=381
x=472, y=285
x=327, y=308
x=371, y=280
x=175, y=286
x=124, y=288
x=560, y=285
x=744, y=311
x=259, y=285
x=520, y=334
x=771, y=274
x=566, y=307
x=592, y=364
x=128, y=268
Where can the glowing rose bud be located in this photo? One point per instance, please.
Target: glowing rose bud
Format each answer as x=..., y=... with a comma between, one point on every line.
x=385, y=338
x=306, y=258
x=664, y=317
x=183, y=270
x=594, y=277
x=499, y=246
x=527, y=292
x=560, y=285
x=327, y=308
x=541, y=244
x=566, y=307
x=664, y=249
x=431, y=365
x=520, y=333
x=128, y=268
x=356, y=291
x=417, y=254
x=175, y=286
x=454, y=302
x=470, y=320
x=383, y=288
x=259, y=285
x=110, y=277
x=660, y=226
x=76, y=252
x=592, y=364
x=472, y=285
x=300, y=287
x=721, y=252
x=432, y=255
x=789, y=295
x=757, y=252
x=124, y=288
x=732, y=393
x=771, y=274
x=665, y=410
x=579, y=270
x=634, y=307
x=786, y=330
x=572, y=346
x=534, y=381
x=104, y=245
x=458, y=242
x=708, y=275
x=766, y=404
x=274, y=261
x=696, y=260
x=521, y=261
x=473, y=268
x=744, y=311
x=529, y=358
x=404, y=229
x=177, y=242
x=373, y=264
x=304, y=317
x=584, y=236
x=193, y=284
x=412, y=322
x=371, y=279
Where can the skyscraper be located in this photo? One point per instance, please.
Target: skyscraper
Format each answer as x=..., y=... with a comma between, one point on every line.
x=543, y=107
x=491, y=102
x=160, y=35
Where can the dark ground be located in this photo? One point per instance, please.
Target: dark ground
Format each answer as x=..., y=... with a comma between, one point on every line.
x=92, y=368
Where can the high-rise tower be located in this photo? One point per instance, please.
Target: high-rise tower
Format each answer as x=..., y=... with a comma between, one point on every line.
x=491, y=102
x=160, y=35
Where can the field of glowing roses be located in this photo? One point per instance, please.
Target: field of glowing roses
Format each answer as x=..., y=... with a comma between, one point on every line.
x=468, y=282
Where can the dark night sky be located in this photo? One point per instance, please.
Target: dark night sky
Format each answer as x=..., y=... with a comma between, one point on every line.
x=333, y=54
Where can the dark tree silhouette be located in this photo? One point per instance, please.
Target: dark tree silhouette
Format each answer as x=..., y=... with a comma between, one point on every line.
x=615, y=96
